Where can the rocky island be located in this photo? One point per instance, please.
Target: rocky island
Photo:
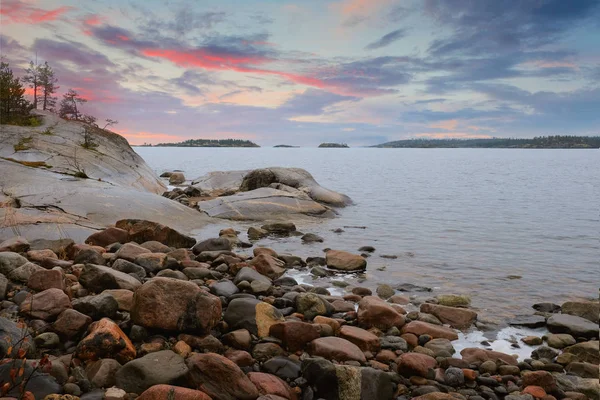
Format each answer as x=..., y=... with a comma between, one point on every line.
x=334, y=145
x=210, y=143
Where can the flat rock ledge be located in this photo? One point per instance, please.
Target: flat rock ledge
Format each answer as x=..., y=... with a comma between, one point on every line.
x=137, y=313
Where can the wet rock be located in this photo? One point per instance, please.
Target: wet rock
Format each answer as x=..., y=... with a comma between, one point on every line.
x=393, y=343
x=454, y=377
x=455, y=317
x=240, y=339
x=164, y=392
x=312, y=238
x=220, y=378
x=105, y=340
x=335, y=348
x=141, y=231
x=71, y=323
x=108, y=236
x=161, y=367
x=97, y=278
x=573, y=325
x=102, y=305
x=374, y=312
x=214, y=244
x=279, y=228
x=532, y=340
x=528, y=321
x=453, y=300
x=46, y=305
x=584, y=309
x=543, y=379
x=102, y=373
x=409, y=287
x=172, y=304
x=410, y=364
x=311, y=305
x=583, y=370
x=440, y=345
x=385, y=291
x=420, y=328
x=365, y=340
x=477, y=356
x=249, y=275
x=256, y=233
x=546, y=307
x=176, y=178
x=294, y=334
x=344, y=261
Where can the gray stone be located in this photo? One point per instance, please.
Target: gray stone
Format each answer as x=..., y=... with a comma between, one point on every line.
x=129, y=268
x=283, y=367
x=312, y=238
x=102, y=373
x=385, y=291
x=3, y=286
x=439, y=345
x=47, y=340
x=376, y=384
x=224, y=288
x=97, y=307
x=454, y=377
x=11, y=334
x=584, y=309
x=10, y=261
x=161, y=367
x=24, y=272
x=98, y=278
x=560, y=340
x=39, y=384
x=249, y=275
x=576, y=326
x=214, y=244
x=393, y=343
x=529, y=321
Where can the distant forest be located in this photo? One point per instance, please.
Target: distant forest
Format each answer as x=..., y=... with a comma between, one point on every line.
x=210, y=143
x=542, y=142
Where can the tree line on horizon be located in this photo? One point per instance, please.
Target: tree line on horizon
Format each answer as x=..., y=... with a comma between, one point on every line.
x=538, y=142
x=210, y=143
x=15, y=109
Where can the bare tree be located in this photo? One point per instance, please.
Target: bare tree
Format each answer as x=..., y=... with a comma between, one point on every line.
x=110, y=122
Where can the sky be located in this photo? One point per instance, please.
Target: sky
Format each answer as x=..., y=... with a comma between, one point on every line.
x=302, y=72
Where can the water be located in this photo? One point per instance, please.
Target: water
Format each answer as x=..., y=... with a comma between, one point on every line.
x=509, y=227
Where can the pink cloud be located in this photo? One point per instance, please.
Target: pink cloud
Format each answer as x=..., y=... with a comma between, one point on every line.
x=14, y=11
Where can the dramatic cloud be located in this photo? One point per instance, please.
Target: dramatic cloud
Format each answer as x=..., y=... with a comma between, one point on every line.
x=386, y=39
x=18, y=12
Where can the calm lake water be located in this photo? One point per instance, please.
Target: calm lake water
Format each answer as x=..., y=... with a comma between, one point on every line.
x=509, y=227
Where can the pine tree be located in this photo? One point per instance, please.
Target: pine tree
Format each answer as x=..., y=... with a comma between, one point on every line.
x=14, y=108
x=47, y=82
x=32, y=77
x=68, y=105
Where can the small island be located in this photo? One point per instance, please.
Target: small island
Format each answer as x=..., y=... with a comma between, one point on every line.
x=334, y=145
x=286, y=146
x=210, y=143
x=542, y=142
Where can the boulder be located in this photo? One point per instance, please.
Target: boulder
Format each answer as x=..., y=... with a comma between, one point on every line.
x=17, y=244
x=130, y=251
x=344, y=261
x=71, y=324
x=586, y=351
x=46, y=279
x=176, y=178
x=214, y=244
x=152, y=262
x=97, y=278
x=141, y=231
x=225, y=288
x=268, y=266
x=46, y=305
x=10, y=261
x=312, y=238
x=123, y=297
x=458, y=318
x=97, y=307
x=101, y=373
x=335, y=348
x=163, y=392
x=375, y=312
x=410, y=364
x=311, y=305
x=267, y=384
x=253, y=315
x=11, y=334
x=573, y=325
x=419, y=328
x=294, y=334
x=365, y=340
x=160, y=367
x=249, y=275
x=108, y=236
x=24, y=272
x=220, y=378
x=584, y=309
x=173, y=304
x=105, y=340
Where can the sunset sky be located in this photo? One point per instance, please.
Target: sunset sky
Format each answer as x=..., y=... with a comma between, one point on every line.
x=304, y=72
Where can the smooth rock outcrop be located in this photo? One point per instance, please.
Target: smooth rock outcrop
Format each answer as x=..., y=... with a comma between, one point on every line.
x=573, y=325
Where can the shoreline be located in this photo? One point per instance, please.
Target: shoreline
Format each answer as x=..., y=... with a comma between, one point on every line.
x=152, y=293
